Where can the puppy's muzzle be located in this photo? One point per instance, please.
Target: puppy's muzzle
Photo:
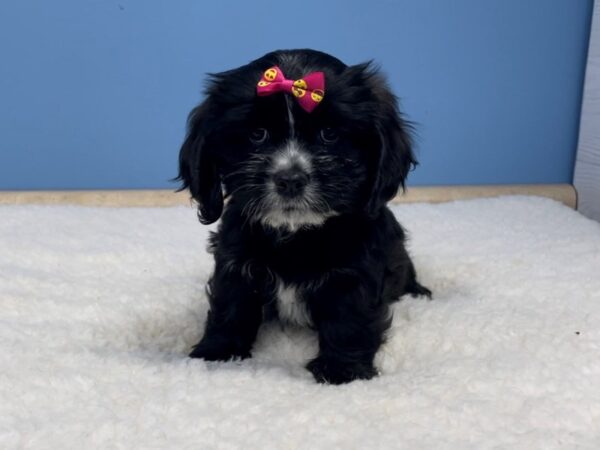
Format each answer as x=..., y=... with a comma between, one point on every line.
x=290, y=182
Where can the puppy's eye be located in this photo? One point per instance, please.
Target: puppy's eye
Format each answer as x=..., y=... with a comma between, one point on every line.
x=329, y=135
x=258, y=136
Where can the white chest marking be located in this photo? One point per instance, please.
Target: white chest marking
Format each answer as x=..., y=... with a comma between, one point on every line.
x=290, y=306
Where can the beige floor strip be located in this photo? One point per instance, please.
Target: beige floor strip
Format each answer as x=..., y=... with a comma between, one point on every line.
x=564, y=193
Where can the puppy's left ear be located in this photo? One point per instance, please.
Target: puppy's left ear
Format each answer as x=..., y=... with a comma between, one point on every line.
x=197, y=168
x=395, y=157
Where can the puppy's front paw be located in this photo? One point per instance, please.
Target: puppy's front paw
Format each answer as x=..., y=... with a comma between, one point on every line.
x=218, y=350
x=327, y=370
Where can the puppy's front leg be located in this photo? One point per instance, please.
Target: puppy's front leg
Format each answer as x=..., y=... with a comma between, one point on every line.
x=351, y=321
x=233, y=319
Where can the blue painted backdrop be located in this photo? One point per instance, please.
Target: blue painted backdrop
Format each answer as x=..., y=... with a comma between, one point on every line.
x=94, y=94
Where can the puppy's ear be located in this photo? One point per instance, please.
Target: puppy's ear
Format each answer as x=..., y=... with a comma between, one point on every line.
x=197, y=168
x=395, y=156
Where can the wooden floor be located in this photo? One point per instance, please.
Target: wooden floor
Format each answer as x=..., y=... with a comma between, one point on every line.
x=564, y=193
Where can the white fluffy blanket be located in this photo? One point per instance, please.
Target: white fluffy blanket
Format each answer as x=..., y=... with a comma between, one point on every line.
x=99, y=307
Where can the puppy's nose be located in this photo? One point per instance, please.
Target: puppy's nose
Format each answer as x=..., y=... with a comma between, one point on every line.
x=290, y=182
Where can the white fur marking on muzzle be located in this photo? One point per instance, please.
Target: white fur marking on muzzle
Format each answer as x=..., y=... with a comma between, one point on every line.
x=290, y=155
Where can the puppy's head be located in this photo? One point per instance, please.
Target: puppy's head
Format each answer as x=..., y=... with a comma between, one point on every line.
x=285, y=167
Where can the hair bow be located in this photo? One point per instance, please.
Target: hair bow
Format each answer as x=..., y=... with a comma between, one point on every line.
x=308, y=90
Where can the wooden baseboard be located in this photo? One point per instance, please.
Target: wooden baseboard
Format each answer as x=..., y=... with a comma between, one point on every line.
x=564, y=193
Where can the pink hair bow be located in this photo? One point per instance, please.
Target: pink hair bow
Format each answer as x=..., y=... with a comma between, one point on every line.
x=308, y=90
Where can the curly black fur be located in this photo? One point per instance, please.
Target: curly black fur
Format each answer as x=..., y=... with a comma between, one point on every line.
x=335, y=246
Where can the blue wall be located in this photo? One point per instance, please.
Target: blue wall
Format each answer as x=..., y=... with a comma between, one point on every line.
x=94, y=94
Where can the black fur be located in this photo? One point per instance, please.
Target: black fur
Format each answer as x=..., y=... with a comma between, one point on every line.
x=337, y=245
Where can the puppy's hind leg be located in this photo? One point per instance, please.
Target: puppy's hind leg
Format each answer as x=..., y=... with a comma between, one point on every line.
x=413, y=287
x=401, y=277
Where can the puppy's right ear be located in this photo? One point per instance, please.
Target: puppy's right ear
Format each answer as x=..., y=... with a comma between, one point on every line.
x=197, y=168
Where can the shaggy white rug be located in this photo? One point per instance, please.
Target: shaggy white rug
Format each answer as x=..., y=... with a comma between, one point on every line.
x=99, y=307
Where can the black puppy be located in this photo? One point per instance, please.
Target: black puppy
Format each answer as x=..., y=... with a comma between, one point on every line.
x=305, y=233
